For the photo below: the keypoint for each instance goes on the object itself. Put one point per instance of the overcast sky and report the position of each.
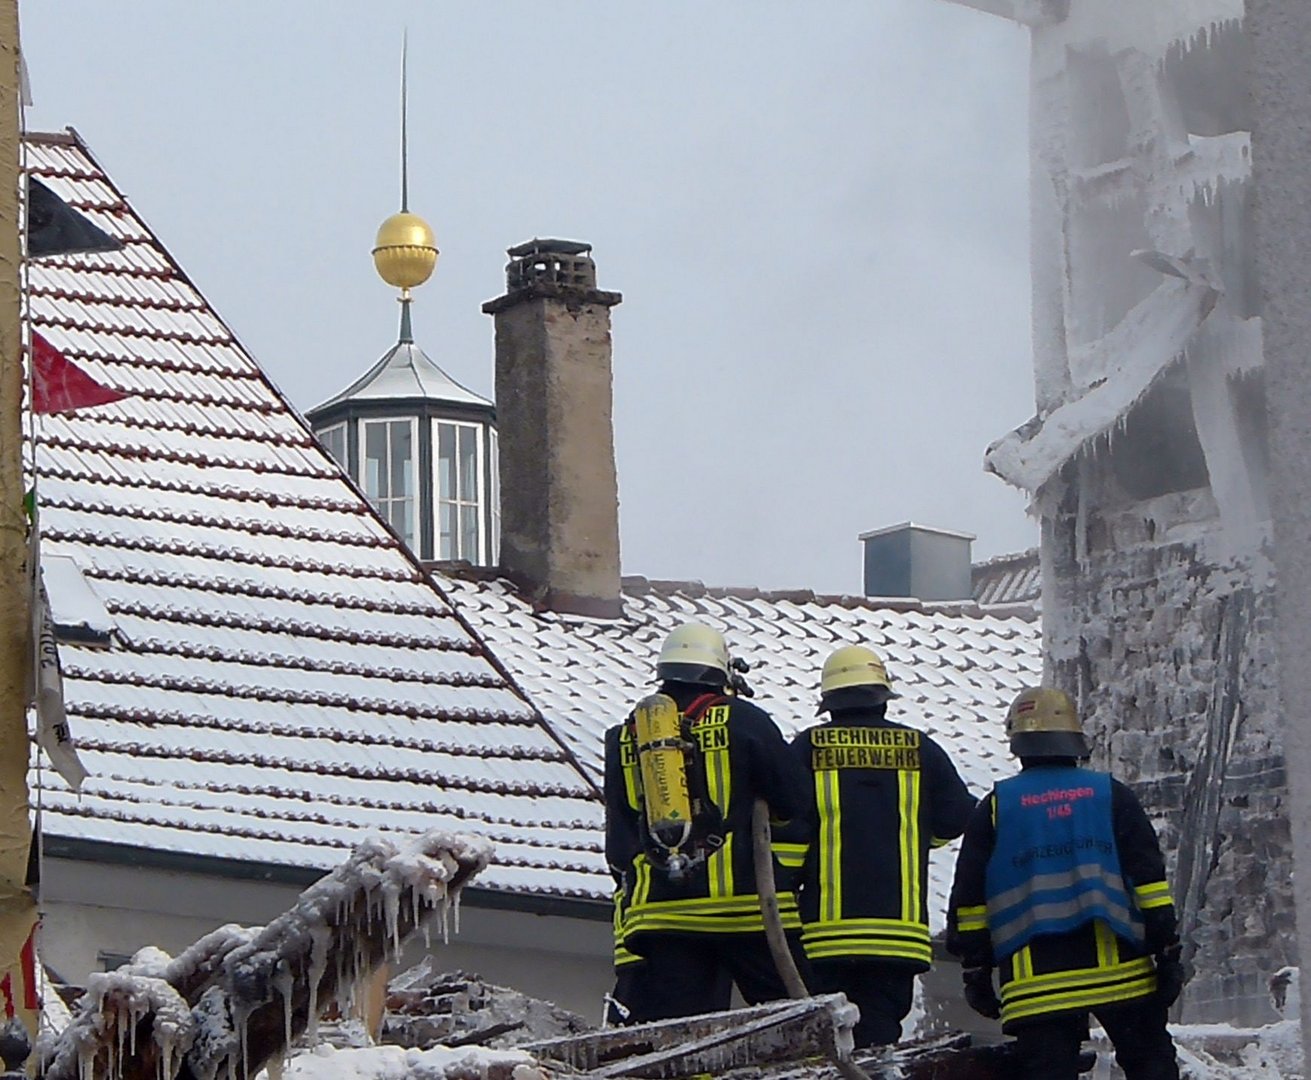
(817, 214)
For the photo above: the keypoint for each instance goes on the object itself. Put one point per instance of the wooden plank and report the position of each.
(711, 1043)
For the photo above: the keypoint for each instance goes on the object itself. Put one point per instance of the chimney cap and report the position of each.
(548, 246)
(907, 525)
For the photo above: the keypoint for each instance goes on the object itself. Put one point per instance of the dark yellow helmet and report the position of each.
(1043, 722)
(853, 676)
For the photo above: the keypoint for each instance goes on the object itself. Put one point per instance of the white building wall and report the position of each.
(94, 909)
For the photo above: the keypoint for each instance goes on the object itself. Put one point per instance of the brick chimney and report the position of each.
(559, 492)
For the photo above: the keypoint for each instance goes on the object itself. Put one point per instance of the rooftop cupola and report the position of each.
(421, 446)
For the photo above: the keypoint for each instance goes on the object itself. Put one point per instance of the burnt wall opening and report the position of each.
(1158, 451)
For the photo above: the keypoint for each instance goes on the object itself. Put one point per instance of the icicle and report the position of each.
(321, 939)
(121, 1022)
(393, 902)
(283, 980)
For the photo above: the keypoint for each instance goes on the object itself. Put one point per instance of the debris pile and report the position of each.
(427, 1007)
(238, 998)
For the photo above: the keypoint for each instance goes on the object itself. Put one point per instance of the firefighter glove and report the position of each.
(1169, 975)
(979, 994)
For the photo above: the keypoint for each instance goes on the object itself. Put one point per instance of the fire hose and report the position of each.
(762, 852)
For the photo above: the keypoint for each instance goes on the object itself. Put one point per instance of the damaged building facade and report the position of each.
(1147, 458)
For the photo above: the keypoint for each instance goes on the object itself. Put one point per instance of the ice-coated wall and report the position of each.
(1281, 141)
(1147, 459)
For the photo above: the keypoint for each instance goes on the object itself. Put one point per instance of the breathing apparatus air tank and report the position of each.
(662, 760)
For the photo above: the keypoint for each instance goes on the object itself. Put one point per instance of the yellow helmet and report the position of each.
(1043, 722)
(853, 676)
(694, 653)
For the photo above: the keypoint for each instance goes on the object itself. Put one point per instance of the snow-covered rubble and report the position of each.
(238, 997)
(400, 1063)
(429, 1007)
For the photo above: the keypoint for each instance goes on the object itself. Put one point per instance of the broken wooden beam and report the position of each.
(711, 1043)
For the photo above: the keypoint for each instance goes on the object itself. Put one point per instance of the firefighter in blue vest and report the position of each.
(682, 774)
(1060, 887)
(882, 795)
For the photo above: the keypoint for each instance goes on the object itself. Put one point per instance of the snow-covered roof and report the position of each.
(957, 667)
(1008, 579)
(272, 675)
(268, 673)
(405, 373)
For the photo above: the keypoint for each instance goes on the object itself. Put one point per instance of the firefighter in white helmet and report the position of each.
(883, 794)
(1060, 887)
(682, 774)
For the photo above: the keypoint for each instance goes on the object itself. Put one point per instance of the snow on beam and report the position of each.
(711, 1043)
(237, 998)
(1129, 359)
(1030, 13)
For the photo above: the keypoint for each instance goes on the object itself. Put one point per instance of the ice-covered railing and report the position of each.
(237, 998)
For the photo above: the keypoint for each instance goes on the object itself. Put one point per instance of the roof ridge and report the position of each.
(637, 585)
(1010, 557)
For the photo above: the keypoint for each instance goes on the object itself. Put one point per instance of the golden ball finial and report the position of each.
(405, 253)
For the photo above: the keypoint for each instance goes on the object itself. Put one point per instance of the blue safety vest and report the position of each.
(1054, 866)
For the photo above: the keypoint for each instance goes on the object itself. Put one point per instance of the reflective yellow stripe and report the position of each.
(833, 950)
(882, 928)
(631, 788)
(642, 886)
(719, 866)
(871, 937)
(1154, 895)
(1081, 988)
(908, 793)
(674, 922)
(617, 920)
(1107, 952)
(790, 855)
(867, 937)
(972, 918)
(787, 901)
(828, 799)
(1026, 963)
(728, 914)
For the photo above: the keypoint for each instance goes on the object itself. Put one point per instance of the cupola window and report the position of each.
(389, 474)
(459, 492)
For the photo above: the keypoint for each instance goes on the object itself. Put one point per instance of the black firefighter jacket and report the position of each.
(882, 794)
(744, 756)
(1081, 969)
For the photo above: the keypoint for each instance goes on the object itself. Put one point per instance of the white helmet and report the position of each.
(694, 653)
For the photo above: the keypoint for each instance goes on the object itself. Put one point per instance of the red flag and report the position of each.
(31, 992)
(59, 385)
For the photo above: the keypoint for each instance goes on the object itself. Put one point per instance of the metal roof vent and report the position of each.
(919, 561)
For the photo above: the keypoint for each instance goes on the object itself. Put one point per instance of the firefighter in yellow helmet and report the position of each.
(1060, 887)
(882, 795)
(682, 774)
